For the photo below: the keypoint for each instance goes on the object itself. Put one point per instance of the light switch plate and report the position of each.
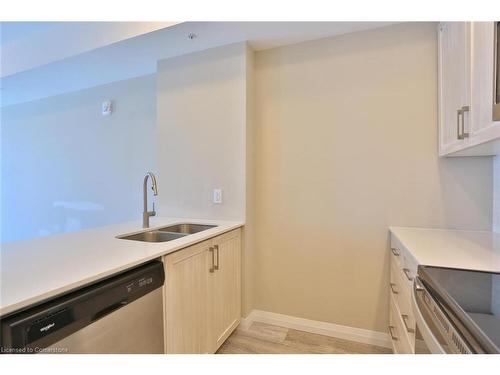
(217, 197)
(107, 108)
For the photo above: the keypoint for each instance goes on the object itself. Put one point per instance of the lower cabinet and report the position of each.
(402, 326)
(398, 332)
(203, 294)
(224, 291)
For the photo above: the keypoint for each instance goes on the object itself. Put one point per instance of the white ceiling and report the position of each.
(137, 56)
(29, 45)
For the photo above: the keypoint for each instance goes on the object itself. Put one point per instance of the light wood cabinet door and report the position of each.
(454, 86)
(225, 288)
(203, 294)
(186, 303)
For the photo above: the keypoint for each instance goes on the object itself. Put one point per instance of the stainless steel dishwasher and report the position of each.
(121, 314)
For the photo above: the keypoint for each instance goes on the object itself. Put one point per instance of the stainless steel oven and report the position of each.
(435, 333)
(496, 73)
(456, 311)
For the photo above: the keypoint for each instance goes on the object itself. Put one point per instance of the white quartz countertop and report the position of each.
(37, 269)
(474, 250)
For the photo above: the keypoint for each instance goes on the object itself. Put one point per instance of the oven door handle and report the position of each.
(430, 341)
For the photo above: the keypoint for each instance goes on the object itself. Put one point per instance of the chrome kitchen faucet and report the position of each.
(154, 186)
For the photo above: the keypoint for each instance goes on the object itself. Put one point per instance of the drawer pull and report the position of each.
(407, 273)
(216, 266)
(459, 113)
(462, 111)
(392, 335)
(395, 251)
(405, 318)
(212, 268)
(392, 288)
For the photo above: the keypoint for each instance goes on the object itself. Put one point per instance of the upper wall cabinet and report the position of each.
(466, 86)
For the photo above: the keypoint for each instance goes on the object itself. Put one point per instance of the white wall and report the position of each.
(201, 132)
(66, 167)
(496, 194)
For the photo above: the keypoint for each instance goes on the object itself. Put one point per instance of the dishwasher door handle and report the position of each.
(108, 310)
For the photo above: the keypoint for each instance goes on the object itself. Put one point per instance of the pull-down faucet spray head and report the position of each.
(154, 186)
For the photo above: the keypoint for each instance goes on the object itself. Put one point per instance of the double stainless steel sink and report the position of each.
(168, 233)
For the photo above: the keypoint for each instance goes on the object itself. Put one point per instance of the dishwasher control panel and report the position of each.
(139, 284)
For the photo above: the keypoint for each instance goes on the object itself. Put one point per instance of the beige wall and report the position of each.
(346, 145)
(204, 140)
(249, 234)
(496, 194)
(201, 127)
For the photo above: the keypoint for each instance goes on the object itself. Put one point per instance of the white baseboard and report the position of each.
(322, 328)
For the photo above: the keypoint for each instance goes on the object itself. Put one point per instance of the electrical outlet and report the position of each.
(217, 198)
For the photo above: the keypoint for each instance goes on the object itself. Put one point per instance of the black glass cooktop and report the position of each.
(471, 299)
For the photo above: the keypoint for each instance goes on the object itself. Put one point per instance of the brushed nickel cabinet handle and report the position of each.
(464, 109)
(407, 273)
(395, 251)
(392, 288)
(405, 318)
(392, 335)
(459, 134)
(212, 269)
(216, 266)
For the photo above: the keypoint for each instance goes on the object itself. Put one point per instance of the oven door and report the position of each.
(435, 332)
(428, 339)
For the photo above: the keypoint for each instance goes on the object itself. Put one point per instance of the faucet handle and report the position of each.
(154, 212)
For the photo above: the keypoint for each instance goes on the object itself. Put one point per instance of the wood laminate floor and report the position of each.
(260, 338)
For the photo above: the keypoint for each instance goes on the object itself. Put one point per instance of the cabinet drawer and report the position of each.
(398, 289)
(406, 314)
(404, 259)
(400, 275)
(395, 287)
(397, 331)
(397, 255)
(406, 277)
